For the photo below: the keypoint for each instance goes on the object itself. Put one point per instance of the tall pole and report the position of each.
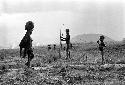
(60, 40)
(60, 47)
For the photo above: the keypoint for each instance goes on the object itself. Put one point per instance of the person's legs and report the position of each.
(102, 53)
(20, 51)
(28, 62)
(67, 52)
(30, 57)
(25, 52)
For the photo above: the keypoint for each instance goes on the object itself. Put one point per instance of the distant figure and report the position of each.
(71, 45)
(26, 43)
(67, 43)
(101, 46)
(49, 47)
(67, 39)
(54, 46)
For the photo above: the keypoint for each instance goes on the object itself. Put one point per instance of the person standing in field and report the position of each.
(49, 47)
(101, 46)
(26, 43)
(54, 46)
(67, 43)
(67, 39)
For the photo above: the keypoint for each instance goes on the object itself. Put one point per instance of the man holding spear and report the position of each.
(67, 39)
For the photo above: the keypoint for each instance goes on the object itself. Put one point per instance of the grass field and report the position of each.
(49, 68)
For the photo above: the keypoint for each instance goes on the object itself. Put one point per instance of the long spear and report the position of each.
(60, 40)
(60, 45)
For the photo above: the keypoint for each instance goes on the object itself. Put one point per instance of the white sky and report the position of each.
(80, 16)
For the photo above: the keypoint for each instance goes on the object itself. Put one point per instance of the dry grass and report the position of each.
(83, 68)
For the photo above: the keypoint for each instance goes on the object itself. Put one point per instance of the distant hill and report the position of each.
(86, 38)
(123, 40)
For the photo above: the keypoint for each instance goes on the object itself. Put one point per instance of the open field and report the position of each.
(48, 68)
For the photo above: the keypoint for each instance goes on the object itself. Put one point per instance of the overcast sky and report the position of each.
(80, 16)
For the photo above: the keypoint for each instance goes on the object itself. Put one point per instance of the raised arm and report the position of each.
(98, 41)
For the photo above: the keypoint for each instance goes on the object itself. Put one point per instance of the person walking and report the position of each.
(26, 43)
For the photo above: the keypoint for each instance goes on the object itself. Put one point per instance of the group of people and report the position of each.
(26, 43)
(54, 47)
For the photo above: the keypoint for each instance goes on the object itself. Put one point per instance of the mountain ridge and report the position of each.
(86, 38)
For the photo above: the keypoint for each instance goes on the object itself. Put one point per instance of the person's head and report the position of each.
(29, 26)
(67, 31)
(102, 38)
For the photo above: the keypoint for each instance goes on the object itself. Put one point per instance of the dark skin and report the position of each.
(28, 49)
(102, 45)
(30, 54)
(67, 42)
(29, 32)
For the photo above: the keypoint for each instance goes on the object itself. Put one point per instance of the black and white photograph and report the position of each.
(62, 42)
